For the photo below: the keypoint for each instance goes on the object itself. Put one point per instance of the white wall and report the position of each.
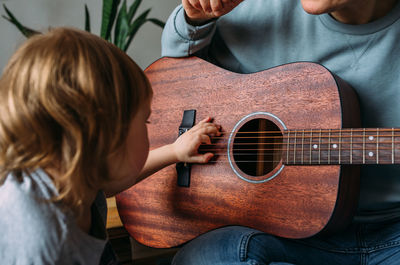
(40, 14)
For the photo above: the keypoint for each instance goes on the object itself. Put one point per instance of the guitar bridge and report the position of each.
(183, 169)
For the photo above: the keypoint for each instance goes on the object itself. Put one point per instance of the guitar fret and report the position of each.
(329, 147)
(370, 146)
(334, 144)
(377, 145)
(340, 145)
(319, 147)
(294, 147)
(302, 148)
(363, 145)
(288, 147)
(392, 145)
(351, 146)
(396, 148)
(311, 137)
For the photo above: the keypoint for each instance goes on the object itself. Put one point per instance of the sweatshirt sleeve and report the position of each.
(180, 39)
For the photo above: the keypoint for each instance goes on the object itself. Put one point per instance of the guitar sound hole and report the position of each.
(257, 147)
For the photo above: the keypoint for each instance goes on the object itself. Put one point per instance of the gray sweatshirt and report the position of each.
(260, 34)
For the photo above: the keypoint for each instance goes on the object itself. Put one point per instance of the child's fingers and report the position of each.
(205, 139)
(201, 158)
(188, 144)
(205, 120)
(210, 129)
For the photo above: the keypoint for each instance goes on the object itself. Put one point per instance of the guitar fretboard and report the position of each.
(345, 146)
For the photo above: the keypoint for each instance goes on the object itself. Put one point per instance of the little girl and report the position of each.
(73, 114)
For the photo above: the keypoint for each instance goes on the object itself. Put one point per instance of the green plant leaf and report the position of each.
(132, 10)
(110, 8)
(157, 22)
(27, 32)
(122, 26)
(135, 27)
(87, 19)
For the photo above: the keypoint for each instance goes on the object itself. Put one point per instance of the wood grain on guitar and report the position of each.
(285, 164)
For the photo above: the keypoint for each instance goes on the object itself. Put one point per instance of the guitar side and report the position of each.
(300, 201)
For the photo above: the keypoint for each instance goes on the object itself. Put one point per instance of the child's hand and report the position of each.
(187, 145)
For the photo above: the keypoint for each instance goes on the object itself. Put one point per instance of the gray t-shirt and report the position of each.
(260, 34)
(36, 231)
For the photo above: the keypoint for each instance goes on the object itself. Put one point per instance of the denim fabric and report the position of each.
(363, 244)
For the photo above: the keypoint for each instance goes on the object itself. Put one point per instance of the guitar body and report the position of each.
(290, 201)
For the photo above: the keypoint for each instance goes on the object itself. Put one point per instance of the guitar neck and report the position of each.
(341, 146)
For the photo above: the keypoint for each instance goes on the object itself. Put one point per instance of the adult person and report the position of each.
(356, 39)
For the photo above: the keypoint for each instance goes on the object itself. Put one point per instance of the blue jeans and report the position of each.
(234, 245)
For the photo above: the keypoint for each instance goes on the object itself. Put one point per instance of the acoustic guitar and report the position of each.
(287, 162)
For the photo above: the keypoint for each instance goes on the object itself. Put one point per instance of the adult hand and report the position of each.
(200, 11)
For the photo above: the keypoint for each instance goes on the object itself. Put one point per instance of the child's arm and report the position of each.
(184, 149)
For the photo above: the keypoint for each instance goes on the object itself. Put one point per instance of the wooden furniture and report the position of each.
(119, 237)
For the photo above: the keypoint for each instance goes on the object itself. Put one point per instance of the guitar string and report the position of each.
(300, 145)
(300, 137)
(308, 143)
(363, 155)
(332, 130)
(306, 156)
(313, 161)
(291, 150)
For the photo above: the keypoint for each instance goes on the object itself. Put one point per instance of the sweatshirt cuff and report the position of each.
(190, 32)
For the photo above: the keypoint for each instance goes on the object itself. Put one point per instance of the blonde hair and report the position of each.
(67, 98)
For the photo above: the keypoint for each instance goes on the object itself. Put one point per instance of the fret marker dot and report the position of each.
(315, 146)
(371, 138)
(371, 154)
(334, 145)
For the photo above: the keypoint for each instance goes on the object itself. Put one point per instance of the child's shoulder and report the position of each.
(37, 231)
(31, 227)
